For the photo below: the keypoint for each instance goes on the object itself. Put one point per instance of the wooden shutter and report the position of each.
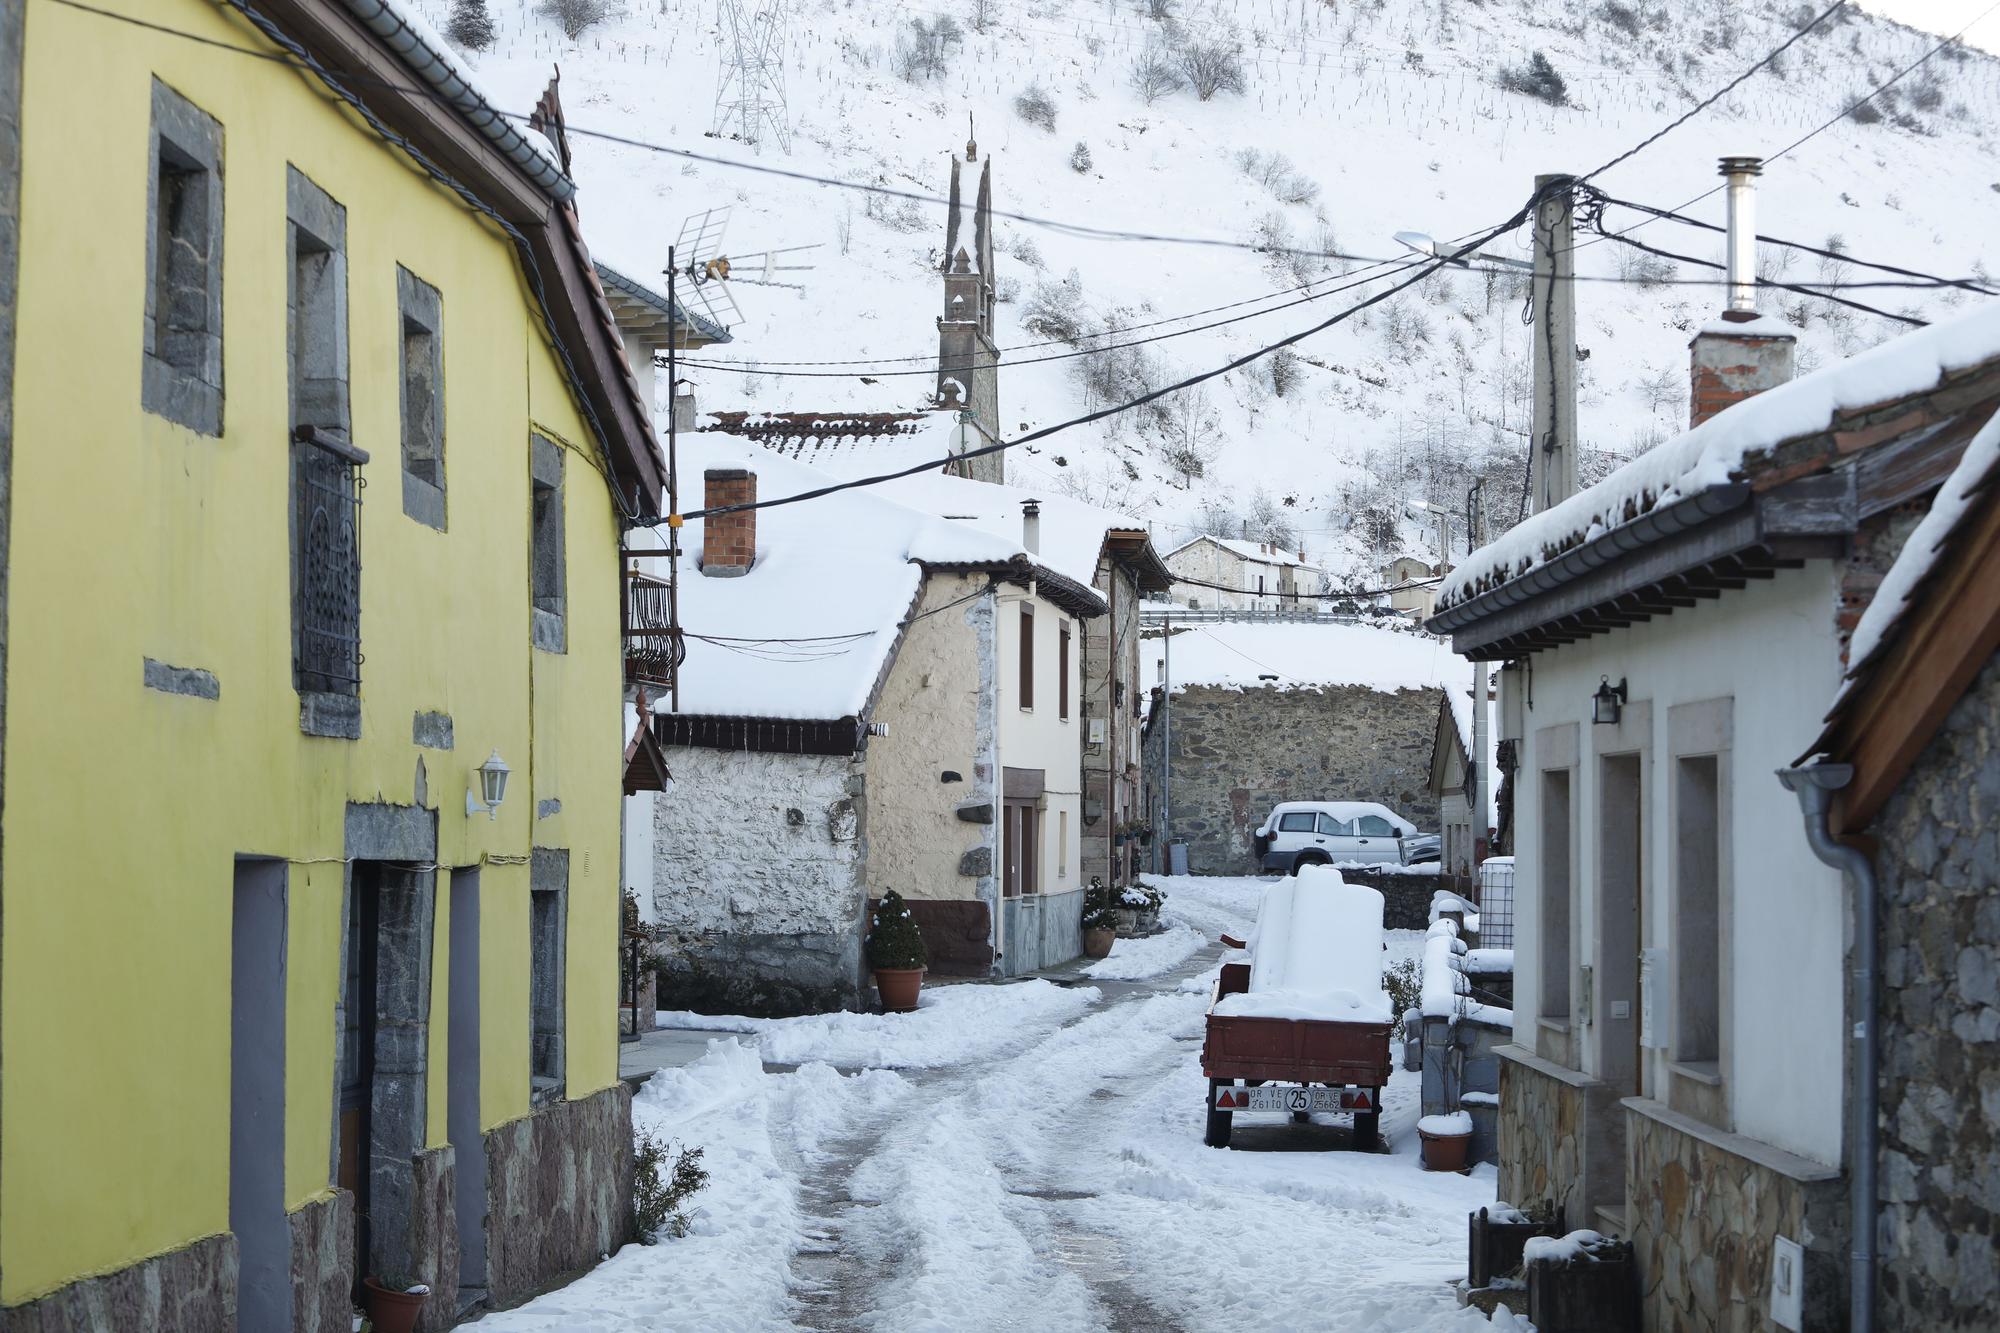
(1027, 656)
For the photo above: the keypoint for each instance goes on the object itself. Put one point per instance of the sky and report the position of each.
(1944, 16)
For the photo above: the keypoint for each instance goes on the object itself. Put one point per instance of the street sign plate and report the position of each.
(1280, 1098)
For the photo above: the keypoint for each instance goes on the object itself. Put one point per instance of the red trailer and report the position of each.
(1300, 1065)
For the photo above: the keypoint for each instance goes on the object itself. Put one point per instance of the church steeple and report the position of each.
(968, 360)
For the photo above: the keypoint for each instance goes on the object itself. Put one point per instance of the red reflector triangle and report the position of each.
(1361, 1101)
(1228, 1099)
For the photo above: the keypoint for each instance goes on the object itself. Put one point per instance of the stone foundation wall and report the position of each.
(1562, 1139)
(559, 1192)
(1702, 1217)
(1940, 1013)
(1238, 752)
(434, 1234)
(189, 1290)
(323, 1265)
(771, 976)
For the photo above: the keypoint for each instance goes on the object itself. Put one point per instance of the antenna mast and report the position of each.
(750, 86)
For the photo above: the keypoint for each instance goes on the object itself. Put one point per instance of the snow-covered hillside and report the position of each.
(1358, 119)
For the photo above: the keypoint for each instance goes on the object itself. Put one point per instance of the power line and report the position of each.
(1797, 288)
(1332, 596)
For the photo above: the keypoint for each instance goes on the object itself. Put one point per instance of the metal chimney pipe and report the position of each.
(1031, 526)
(1740, 172)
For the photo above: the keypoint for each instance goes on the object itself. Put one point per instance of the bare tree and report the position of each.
(1155, 74)
(923, 51)
(575, 16)
(1191, 442)
(1212, 64)
(983, 14)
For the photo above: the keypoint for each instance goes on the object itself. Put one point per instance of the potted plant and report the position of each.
(1446, 1140)
(394, 1301)
(896, 952)
(1100, 919)
(1139, 909)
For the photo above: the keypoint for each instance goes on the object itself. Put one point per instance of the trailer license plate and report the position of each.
(1269, 1098)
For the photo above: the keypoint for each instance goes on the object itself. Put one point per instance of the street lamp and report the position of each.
(1608, 702)
(1423, 244)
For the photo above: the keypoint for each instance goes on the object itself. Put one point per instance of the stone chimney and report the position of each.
(1031, 526)
(728, 541)
(1741, 353)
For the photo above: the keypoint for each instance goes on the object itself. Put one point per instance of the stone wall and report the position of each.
(559, 1192)
(1562, 1139)
(1237, 753)
(756, 883)
(1702, 1216)
(189, 1290)
(323, 1265)
(1939, 920)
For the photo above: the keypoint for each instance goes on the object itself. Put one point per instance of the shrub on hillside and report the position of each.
(1620, 16)
(1034, 105)
(1079, 158)
(575, 16)
(471, 26)
(1055, 310)
(1537, 79)
(1155, 74)
(1211, 64)
(923, 50)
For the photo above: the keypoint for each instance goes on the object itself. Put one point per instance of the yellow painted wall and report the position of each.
(134, 538)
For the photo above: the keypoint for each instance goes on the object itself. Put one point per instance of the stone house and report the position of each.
(322, 543)
(1245, 716)
(1231, 575)
(1681, 1066)
(1907, 769)
(1450, 784)
(873, 698)
(1410, 595)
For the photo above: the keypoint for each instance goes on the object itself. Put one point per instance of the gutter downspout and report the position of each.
(1814, 784)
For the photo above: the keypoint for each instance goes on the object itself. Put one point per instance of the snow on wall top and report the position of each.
(1258, 552)
(850, 445)
(1305, 656)
(1460, 701)
(1712, 453)
(1919, 554)
(838, 566)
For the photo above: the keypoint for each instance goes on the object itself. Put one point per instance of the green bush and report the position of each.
(660, 1191)
(1100, 906)
(1405, 983)
(893, 939)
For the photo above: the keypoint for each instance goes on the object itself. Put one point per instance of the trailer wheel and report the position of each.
(1216, 1134)
(1368, 1130)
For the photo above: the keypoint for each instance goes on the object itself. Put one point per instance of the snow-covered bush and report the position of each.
(1275, 172)
(1190, 440)
(1211, 63)
(1022, 246)
(925, 46)
(575, 16)
(660, 1192)
(982, 15)
(1034, 105)
(1055, 310)
(1079, 158)
(1647, 271)
(1100, 906)
(1864, 113)
(471, 26)
(894, 942)
(1155, 74)
(1620, 16)
(1285, 369)
(1537, 79)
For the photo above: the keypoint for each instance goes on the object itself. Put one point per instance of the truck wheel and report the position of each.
(1368, 1132)
(1216, 1135)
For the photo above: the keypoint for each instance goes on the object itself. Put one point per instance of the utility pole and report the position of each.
(1475, 767)
(673, 484)
(1552, 446)
(1167, 752)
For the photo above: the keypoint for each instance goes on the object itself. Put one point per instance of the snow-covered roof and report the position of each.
(1072, 532)
(806, 632)
(1267, 553)
(1306, 656)
(639, 303)
(1975, 472)
(1715, 452)
(850, 445)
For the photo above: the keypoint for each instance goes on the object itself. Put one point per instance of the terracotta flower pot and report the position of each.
(898, 987)
(393, 1311)
(1444, 1152)
(1097, 941)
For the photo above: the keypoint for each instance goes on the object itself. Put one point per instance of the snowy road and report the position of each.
(1026, 1157)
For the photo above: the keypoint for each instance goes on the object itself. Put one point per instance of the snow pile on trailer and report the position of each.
(1316, 953)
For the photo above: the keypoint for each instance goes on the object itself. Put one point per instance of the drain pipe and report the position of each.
(1814, 785)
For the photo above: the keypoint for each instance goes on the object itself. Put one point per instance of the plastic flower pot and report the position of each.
(1445, 1152)
(392, 1311)
(898, 987)
(1097, 941)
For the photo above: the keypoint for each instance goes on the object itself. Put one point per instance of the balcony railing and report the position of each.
(654, 648)
(328, 488)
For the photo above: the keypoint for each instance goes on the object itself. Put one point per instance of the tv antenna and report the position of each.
(750, 85)
(699, 260)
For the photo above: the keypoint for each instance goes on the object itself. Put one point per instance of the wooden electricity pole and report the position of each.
(1552, 446)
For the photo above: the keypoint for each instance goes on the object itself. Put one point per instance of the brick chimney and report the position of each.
(728, 541)
(1741, 353)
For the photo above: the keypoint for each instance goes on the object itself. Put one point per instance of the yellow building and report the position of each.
(321, 449)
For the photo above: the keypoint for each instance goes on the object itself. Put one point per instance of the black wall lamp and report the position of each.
(1609, 701)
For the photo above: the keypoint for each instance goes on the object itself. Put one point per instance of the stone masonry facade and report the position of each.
(1939, 1163)
(559, 1192)
(1237, 753)
(1702, 1218)
(1541, 1143)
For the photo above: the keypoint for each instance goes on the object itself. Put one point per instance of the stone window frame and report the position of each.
(1065, 653)
(181, 375)
(547, 577)
(1556, 756)
(1614, 1059)
(420, 335)
(1698, 1087)
(548, 966)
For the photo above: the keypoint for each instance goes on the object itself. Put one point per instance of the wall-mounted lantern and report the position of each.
(492, 787)
(1608, 701)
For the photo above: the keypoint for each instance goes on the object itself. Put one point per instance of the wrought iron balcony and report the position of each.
(327, 484)
(653, 645)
